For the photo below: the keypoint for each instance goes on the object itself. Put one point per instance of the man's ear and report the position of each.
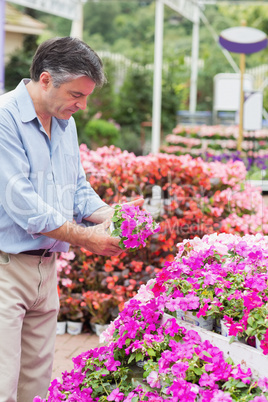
(45, 80)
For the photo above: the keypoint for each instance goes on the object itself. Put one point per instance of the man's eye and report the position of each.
(76, 96)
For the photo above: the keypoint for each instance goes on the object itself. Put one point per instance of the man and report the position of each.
(44, 200)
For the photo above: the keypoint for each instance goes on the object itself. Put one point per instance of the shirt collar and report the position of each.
(26, 106)
(25, 103)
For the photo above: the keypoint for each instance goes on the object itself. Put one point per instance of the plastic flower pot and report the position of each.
(199, 322)
(74, 328)
(110, 229)
(225, 331)
(61, 327)
(217, 325)
(180, 314)
(100, 328)
(258, 343)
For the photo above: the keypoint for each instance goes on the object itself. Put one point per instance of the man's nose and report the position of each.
(82, 103)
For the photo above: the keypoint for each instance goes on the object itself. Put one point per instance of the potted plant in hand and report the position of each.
(101, 307)
(133, 225)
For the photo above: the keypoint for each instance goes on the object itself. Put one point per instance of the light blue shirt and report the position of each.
(42, 181)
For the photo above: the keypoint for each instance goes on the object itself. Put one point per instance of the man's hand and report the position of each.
(99, 242)
(137, 203)
(92, 238)
(107, 212)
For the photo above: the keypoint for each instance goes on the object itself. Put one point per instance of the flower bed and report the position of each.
(211, 276)
(196, 198)
(199, 140)
(221, 277)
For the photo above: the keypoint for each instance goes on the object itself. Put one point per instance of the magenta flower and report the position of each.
(203, 310)
(172, 327)
(192, 336)
(128, 226)
(220, 396)
(238, 373)
(133, 225)
(179, 369)
(153, 379)
(116, 395)
(111, 364)
(263, 384)
(208, 380)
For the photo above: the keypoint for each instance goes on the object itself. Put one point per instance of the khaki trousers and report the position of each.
(28, 317)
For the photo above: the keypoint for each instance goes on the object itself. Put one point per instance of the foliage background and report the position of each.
(127, 28)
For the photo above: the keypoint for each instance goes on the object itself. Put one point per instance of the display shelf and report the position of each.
(263, 184)
(245, 355)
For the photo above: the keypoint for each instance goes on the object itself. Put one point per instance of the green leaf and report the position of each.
(232, 339)
(229, 361)
(207, 354)
(139, 356)
(198, 371)
(146, 373)
(250, 331)
(132, 357)
(128, 341)
(242, 385)
(103, 371)
(151, 352)
(116, 233)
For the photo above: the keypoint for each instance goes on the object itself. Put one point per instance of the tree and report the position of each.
(19, 64)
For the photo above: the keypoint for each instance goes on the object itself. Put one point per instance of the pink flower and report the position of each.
(263, 384)
(239, 374)
(111, 364)
(192, 336)
(153, 379)
(220, 396)
(132, 241)
(202, 310)
(252, 300)
(116, 395)
(128, 226)
(179, 369)
(264, 346)
(208, 380)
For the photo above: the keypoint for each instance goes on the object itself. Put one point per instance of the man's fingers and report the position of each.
(138, 202)
(106, 223)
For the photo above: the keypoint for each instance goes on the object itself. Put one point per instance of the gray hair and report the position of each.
(66, 59)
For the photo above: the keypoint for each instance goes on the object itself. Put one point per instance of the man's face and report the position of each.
(67, 99)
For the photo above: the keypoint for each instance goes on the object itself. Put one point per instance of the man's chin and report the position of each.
(66, 115)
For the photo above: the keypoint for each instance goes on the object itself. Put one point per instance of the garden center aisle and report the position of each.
(68, 346)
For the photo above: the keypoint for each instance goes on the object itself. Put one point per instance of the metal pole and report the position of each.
(2, 46)
(241, 111)
(157, 88)
(77, 23)
(194, 60)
